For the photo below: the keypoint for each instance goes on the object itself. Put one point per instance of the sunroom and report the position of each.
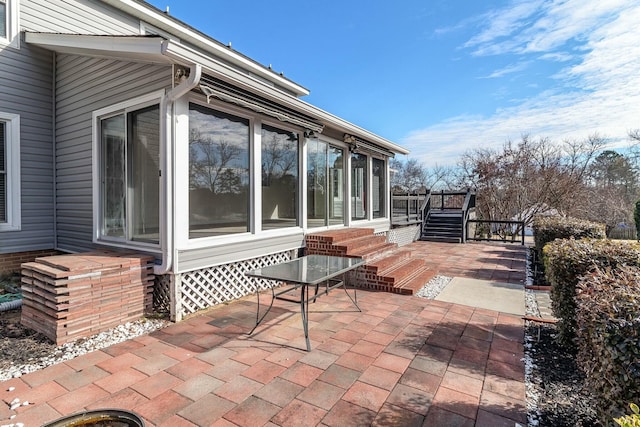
(221, 170)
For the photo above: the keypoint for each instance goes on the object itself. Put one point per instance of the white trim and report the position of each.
(12, 38)
(121, 107)
(12, 158)
(255, 185)
(148, 29)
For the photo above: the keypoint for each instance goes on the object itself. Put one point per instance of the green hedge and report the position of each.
(548, 228)
(608, 338)
(566, 260)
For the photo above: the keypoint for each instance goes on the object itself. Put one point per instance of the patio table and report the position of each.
(302, 273)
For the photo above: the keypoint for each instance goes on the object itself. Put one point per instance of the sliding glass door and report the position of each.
(325, 184)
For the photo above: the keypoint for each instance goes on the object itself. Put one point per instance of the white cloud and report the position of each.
(599, 93)
(509, 69)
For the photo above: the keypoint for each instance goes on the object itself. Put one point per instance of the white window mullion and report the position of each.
(369, 194)
(11, 149)
(256, 177)
(9, 34)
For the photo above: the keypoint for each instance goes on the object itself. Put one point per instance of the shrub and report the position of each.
(566, 260)
(548, 228)
(608, 337)
(632, 420)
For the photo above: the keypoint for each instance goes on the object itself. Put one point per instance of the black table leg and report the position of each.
(304, 309)
(258, 318)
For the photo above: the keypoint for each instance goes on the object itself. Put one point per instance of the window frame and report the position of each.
(12, 172)
(186, 240)
(12, 23)
(384, 208)
(261, 123)
(343, 180)
(124, 107)
(364, 189)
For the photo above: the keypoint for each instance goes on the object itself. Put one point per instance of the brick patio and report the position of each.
(402, 361)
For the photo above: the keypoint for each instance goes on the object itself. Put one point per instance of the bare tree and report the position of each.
(208, 160)
(529, 178)
(413, 176)
(279, 157)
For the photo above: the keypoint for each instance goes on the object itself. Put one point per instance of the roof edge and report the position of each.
(154, 16)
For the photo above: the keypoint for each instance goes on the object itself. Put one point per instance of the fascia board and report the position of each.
(132, 47)
(194, 37)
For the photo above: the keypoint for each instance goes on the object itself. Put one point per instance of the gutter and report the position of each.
(167, 135)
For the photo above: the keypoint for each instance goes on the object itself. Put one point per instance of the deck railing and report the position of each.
(449, 200)
(406, 208)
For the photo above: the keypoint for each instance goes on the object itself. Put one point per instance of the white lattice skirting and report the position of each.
(404, 235)
(208, 287)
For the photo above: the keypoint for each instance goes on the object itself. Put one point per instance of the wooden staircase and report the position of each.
(444, 226)
(388, 268)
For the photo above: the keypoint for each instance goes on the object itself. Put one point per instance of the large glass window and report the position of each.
(218, 173)
(130, 194)
(358, 186)
(325, 184)
(279, 178)
(378, 188)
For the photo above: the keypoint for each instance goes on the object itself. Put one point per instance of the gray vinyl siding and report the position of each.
(83, 85)
(75, 16)
(26, 90)
(194, 259)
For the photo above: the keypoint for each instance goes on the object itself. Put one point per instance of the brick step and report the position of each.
(374, 252)
(387, 262)
(360, 243)
(398, 273)
(340, 235)
(415, 283)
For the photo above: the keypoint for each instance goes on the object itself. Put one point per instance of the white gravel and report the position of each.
(85, 345)
(433, 287)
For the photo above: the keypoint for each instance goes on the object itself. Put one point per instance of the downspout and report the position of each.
(54, 119)
(167, 135)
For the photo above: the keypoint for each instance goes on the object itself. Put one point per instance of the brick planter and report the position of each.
(66, 297)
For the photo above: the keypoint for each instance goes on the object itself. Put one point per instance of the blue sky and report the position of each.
(442, 76)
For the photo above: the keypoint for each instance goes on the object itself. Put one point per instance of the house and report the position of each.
(122, 127)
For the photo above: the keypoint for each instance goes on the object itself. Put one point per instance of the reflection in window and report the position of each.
(358, 186)
(279, 178)
(378, 199)
(325, 184)
(218, 173)
(130, 182)
(3, 19)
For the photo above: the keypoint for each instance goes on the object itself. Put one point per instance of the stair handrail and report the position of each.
(469, 203)
(425, 208)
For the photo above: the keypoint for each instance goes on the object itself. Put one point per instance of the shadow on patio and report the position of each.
(401, 361)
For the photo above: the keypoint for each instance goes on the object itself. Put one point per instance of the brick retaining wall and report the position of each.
(10, 263)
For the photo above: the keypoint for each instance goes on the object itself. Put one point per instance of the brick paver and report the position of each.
(401, 361)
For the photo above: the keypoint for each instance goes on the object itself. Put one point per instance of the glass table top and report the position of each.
(308, 270)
